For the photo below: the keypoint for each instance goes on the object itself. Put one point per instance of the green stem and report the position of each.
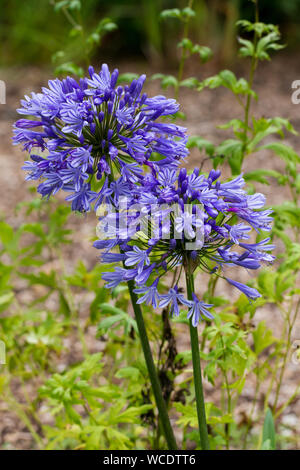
(184, 53)
(197, 371)
(254, 62)
(21, 413)
(287, 403)
(291, 323)
(160, 402)
(250, 417)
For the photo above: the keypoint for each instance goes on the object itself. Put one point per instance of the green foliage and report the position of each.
(203, 52)
(266, 39)
(88, 411)
(83, 40)
(118, 317)
(31, 33)
(237, 347)
(105, 420)
(166, 80)
(268, 432)
(183, 15)
(227, 79)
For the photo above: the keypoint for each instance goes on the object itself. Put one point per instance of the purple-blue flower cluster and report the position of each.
(102, 143)
(91, 138)
(177, 220)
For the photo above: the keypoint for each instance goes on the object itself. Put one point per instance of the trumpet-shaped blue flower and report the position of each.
(198, 310)
(250, 292)
(173, 298)
(150, 294)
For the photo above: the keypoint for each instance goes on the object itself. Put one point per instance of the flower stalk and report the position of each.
(204, 440)
(160, 402)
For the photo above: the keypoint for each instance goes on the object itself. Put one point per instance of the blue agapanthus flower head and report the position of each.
(83, 136)
(186, 222)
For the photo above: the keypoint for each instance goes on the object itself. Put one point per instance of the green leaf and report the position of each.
(127, 77)
(188, 13)
(258, 27)
(6, 233)
(93, 38)
(232, 150)
(108, 308)
(186, 43)
(72, 414)
(5, 274)
(269, 435)
(133, 412)
(106, 323)
(166, 80)
(236, 124)
(35, 228)
(268, 42)
(284, 151)
(62, 4)
(76, 31)
(262, 337)
(64, 307)
(201, 144)
(95, 305)
(106, 25)
(287, 213)
(42, 278)
(228, 79)
(204, 52)
(266, 445)
(292, 259)
(190, 82)
(69, 68)
(75, 5)
(247, 49)
(70, 4)
(263, 127)
(188, 415)
(6, 299)
(132, 373)
(170, 13)
(261, 176)
(266, 283)
(117, 316)
(58, 56)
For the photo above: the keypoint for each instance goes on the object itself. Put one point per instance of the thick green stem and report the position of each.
(160, 402)
(197, 371)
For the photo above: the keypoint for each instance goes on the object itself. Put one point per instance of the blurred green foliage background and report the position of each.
(32, 31)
